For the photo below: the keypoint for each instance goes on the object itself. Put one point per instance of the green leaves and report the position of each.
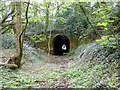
(102, 24)
(105, 16)
(34, 19)
(15, 79)
(83, 76)
(107, 41)
(111, 21)
(38, 37)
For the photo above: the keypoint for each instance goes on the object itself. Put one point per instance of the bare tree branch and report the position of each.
(4, 19)
(6, 29)
(6, 25)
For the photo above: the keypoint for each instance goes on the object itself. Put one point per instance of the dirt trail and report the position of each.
(59, 63)
(33, 68)
(58, 59)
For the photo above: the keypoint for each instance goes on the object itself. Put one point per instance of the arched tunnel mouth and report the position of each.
(61, 44)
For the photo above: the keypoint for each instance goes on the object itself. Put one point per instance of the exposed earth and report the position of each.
(59, 63)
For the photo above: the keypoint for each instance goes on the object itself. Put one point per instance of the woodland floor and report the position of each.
(57, 72)
(59, 63)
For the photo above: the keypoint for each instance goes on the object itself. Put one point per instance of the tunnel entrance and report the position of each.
(61, 44)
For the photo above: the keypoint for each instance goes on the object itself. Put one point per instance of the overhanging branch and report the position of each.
(6, 25)
(5, 18)
(88, 20)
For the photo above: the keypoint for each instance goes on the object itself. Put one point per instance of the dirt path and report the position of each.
(60, 63)
(36, 68)
(59, 59)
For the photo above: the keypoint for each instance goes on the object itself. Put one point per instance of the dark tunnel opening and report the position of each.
(61, 45)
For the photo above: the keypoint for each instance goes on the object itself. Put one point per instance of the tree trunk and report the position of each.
(47, 18)
(15, 61)
(18, 27)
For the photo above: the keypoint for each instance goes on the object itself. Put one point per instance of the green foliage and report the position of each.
(20, 79)
(49, 75)
(84, 76)
(71, 19)
(105, 17)
(34, 19)
(38, 38)
(108, 41)
(15, 79)
(89, 75)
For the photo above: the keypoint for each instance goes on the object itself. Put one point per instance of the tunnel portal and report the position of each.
(61, 44)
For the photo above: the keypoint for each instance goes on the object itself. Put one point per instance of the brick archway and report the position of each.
(61, 44)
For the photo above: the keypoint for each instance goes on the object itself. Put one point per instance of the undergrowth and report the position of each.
(88, 75)
(83, 76)
(20, 79)
(14, 78)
